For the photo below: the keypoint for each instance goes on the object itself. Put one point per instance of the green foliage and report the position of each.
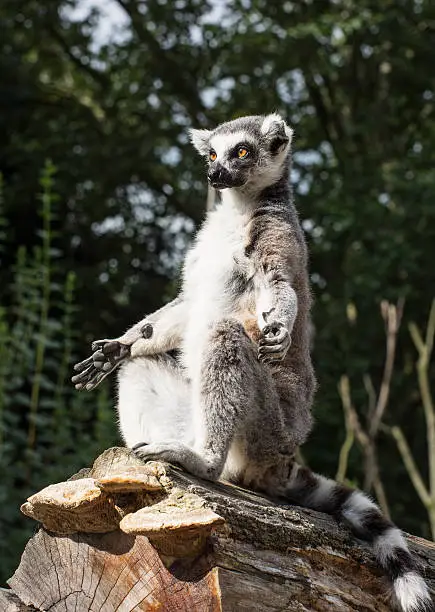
(47, 430)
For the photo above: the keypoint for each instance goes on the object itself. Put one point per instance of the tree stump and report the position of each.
(124, 536)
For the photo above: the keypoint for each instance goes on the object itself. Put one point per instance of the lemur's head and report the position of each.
(250, 151)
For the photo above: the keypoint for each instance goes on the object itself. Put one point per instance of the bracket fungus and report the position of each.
(135, 498)
(177, 526)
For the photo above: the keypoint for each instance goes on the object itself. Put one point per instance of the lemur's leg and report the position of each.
(296, 386)
(224, 396)
(157, 333)
(153, 401)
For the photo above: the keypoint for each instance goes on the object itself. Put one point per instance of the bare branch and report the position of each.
(371, 394)
(351, 413)
(416, 337)
(343, 458)
(393, 317)
(425, 350)
(410, 465)
(353, 427)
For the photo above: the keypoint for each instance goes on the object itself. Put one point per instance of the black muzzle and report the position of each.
(221, 178)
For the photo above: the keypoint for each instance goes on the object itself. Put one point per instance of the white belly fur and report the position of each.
(209, 265)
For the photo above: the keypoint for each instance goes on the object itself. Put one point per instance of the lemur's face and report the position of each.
(249, 151)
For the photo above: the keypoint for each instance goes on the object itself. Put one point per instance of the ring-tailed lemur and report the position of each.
(238, 404)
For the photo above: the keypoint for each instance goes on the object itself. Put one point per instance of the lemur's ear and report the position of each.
(277, 132)
(200, 140)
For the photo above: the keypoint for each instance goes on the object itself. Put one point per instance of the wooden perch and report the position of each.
(124, 536)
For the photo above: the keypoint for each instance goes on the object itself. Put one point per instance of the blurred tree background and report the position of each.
(92, 240)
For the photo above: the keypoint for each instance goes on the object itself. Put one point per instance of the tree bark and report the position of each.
(171, 550)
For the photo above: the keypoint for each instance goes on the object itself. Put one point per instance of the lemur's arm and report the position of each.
(162, 329)
(277, 260)
(276, 308)
(156, 333)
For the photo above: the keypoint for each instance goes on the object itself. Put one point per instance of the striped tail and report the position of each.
(366, 521)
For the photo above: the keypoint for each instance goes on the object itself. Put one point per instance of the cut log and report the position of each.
(171, 549)
(112, 571)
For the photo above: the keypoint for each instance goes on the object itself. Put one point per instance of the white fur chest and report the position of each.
(216, 256)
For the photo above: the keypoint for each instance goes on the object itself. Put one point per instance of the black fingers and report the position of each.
(105, 361)
(98, 357)
(88, 376)
(84, 375)
(272, 358)
(274, 340)
(79, 367)
(274, 343)
(113, 360)
(107, 356)
(91, 379)
(97, 344)
(100, 376)
(270, 350)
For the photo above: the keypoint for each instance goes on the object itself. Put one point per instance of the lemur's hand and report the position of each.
(107, 356)
(274, 343)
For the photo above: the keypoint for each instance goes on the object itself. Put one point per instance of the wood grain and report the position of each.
(109, 573)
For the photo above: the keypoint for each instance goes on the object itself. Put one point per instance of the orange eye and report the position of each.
(242, 153)
(212, 155)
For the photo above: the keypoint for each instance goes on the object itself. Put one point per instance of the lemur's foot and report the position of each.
(176, 453)
(107, 356)
(274, 343)
(172, 452)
